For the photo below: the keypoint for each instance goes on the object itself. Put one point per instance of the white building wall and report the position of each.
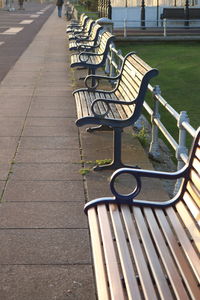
(148, 3)
(131, 15)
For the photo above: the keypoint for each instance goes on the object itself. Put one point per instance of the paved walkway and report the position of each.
(45, 250)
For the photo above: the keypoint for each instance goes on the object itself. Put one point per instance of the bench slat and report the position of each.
(165, 256)
(116, 288)
(185, 242)
(140, 261)
(177, 252)
(153, 259)
(195, 179)
(194, 193)
(189, 222)
(192, 206)
(98, 258)
(125, 259)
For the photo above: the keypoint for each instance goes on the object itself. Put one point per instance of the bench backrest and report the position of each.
(190, 190)
(173, 13)
(133, 83)
(83, 21)
(89, 25)
(104, 41)
(194, 13)
(95, 32)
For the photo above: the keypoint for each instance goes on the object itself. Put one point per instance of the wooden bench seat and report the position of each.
(96, 59)
(93, 40)
(118, 108)
(148, 250)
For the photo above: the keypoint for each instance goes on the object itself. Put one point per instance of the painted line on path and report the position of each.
(26, 22)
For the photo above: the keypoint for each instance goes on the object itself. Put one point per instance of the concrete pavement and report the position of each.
(45, 249)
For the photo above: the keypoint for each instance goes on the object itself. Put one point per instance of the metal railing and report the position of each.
(162, 25)
(113, 66)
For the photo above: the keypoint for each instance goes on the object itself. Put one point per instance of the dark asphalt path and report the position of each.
(30, 20)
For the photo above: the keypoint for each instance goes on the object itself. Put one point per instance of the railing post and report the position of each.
(108, 61)
(119, 63)
(154, 145)
(182, 149)
(112, 69)
(125, 31)
(165, 27)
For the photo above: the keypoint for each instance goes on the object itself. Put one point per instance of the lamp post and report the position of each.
(187, 13)
(143, 14)
(157, 11)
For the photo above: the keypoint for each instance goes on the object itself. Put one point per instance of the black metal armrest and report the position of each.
(82, 39)
(138, 174)
(96, 78)
(84, 48)
(129, 198)
(107, 108)
(88, 54)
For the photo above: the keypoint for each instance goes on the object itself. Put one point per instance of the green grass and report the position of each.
(179, 76)
(82, 9)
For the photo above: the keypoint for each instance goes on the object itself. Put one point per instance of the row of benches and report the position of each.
(141, 249)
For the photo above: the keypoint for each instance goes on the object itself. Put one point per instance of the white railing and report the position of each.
(113, 66)
(162, 25)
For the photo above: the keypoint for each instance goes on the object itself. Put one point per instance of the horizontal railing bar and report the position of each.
(166, 133)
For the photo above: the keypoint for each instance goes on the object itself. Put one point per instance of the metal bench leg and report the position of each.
(92, 72)
(117, 162)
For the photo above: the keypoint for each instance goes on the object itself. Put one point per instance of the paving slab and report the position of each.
(67, 123)
(44, 246)
(4, 170)
(52, 142)
(42, 215)
(47, 282)
(47, 156)
(51, 130)
(46, 191)
(46, 171)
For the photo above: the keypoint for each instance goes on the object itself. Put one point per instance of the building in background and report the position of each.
(133, 12)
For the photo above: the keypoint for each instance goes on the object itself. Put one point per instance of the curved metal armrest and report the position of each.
(107, 108)
(137, 174)
(96, 79)
(84, 47)
(129, 198)
(82, 39)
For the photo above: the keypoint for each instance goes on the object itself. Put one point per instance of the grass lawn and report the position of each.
(179, 75)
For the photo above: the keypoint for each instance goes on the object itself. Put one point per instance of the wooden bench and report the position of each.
(180, 13)
(96, 59)
(118, 108)
(173, 13)
(148, 250)
(78, 27)
(85, 33)
(194, 13)
(87, 43)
